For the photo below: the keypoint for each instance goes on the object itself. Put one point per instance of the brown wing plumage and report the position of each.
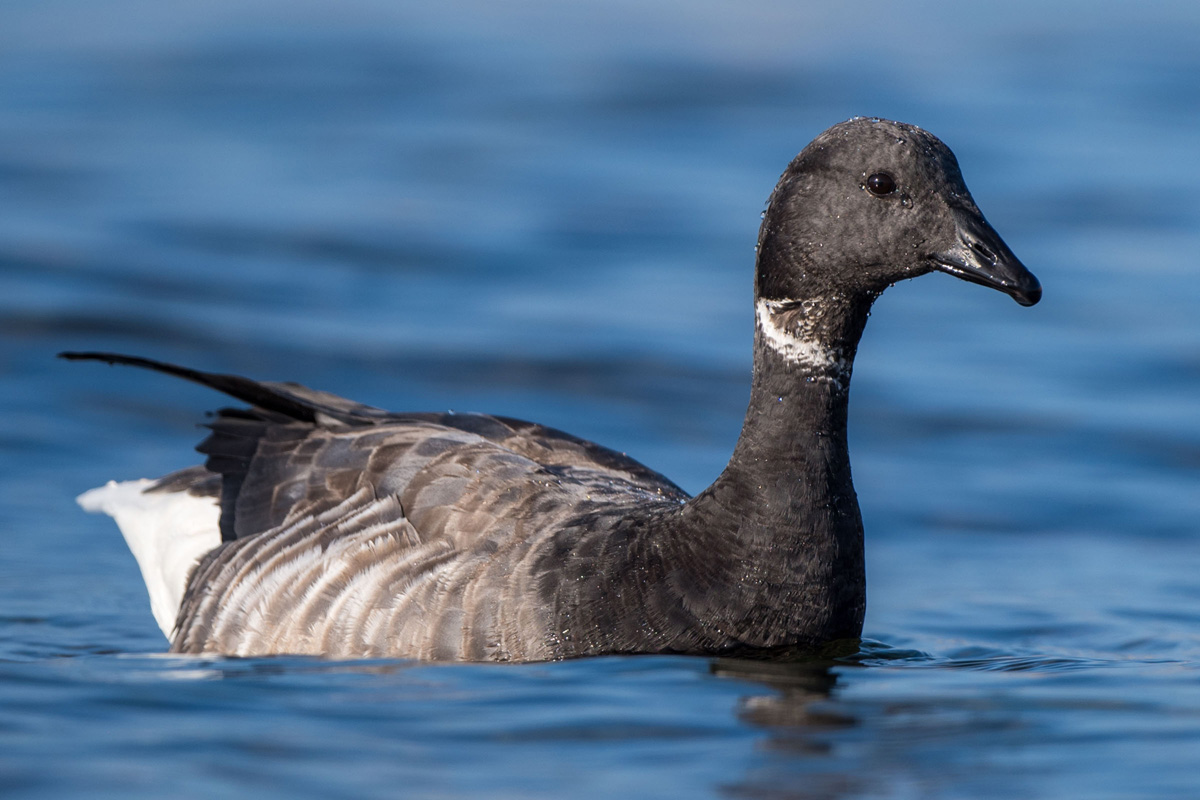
(349, 531)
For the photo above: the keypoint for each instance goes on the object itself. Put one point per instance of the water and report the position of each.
(549, 211)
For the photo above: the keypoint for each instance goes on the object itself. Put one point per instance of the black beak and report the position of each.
(982, 257)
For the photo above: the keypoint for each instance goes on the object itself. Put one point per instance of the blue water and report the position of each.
(548, 210)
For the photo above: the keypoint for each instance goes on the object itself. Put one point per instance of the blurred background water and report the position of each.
(548, 210)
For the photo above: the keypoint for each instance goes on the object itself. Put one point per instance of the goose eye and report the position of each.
(881, 184)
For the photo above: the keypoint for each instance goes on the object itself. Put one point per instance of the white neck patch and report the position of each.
(800, 346)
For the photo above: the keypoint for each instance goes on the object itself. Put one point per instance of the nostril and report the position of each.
(981, 250)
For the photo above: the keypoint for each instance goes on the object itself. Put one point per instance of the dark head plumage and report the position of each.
(870, 202)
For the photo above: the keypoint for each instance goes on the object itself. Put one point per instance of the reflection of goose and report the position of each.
(796, 685)
(318, 525)
(794, 704)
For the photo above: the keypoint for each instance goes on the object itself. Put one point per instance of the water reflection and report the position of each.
(798, 689)
(800, 718)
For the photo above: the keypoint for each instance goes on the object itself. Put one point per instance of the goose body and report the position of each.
(322, 526)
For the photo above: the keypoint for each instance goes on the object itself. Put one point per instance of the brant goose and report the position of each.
(318, 525)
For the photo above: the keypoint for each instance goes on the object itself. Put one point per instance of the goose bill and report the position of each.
(981, 256)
